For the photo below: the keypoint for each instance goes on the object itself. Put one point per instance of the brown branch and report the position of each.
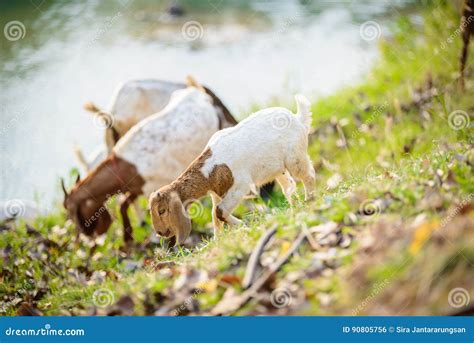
(255, 257)
(310, 238)
(229, 305)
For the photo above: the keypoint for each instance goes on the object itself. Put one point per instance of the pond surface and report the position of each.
(249, 52)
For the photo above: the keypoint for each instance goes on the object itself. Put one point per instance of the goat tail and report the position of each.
(80, 158)
(303, 112)
(90, 107)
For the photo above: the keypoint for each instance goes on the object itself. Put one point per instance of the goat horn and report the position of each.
(78, 178)
(191, 82)
(63, 187)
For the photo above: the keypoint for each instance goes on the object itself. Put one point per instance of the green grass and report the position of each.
(407, 157)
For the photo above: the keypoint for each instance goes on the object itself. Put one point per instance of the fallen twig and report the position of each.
(310, 238)
(229, 305)
(255, 257)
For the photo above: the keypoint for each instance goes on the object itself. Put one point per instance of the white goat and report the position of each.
(132, 102)
(269, 145)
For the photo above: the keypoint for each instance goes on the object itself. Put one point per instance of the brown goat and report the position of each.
(85, 202)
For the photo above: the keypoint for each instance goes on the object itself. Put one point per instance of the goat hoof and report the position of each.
(127, 247)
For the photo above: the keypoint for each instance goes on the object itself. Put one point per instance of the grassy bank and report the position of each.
(391, 228)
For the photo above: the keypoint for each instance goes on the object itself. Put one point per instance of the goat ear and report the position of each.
(93, 219)
(103, 222)
(81, 224)
(180, 222)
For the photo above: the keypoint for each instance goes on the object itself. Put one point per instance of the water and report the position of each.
(249, 53)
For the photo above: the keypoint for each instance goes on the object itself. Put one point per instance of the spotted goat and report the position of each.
(134, 101)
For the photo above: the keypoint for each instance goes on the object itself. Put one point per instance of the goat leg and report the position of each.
(467, 29)
(465, 47)
(127, 227)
